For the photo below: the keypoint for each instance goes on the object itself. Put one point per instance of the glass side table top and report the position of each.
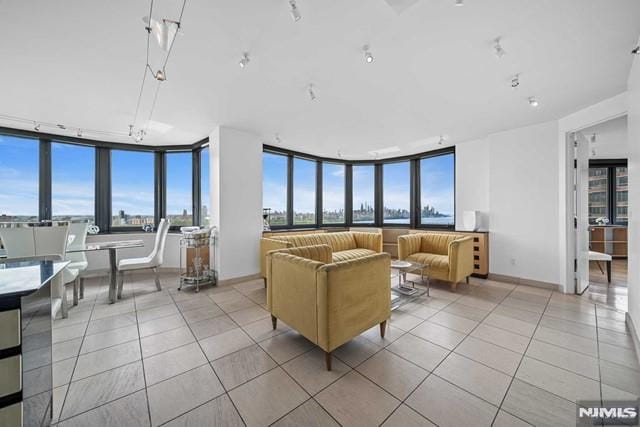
(404, 291)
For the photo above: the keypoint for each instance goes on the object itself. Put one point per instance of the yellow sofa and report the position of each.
(328, 302)
(449, 256)
(344, 245)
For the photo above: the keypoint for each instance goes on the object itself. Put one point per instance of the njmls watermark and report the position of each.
(608, 413)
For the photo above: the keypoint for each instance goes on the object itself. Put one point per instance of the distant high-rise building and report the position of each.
(184, 213)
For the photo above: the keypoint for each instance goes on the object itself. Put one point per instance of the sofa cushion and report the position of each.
(436, 263)
(338, 241)
(351, 254)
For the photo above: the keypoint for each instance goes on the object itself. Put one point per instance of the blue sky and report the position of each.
(18, 176)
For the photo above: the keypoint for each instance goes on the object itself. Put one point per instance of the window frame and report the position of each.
(102, 175)
(414, 189)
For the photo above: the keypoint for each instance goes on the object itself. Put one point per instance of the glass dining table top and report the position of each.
(23, 277)
(101, 246)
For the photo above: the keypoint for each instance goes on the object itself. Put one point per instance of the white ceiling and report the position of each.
(80, 62)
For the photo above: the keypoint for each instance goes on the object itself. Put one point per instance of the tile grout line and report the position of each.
(144, 376)
(520, 363)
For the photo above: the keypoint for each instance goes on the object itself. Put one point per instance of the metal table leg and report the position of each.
(112, 278)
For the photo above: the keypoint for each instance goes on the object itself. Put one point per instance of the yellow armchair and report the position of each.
(329, 303)
(449, 256)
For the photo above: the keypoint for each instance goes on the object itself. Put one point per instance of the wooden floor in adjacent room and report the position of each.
(612, 294)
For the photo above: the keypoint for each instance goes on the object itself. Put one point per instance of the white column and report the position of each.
(236, 200)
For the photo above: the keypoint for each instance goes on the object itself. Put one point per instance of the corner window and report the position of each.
(179, 189)
(437, 190)
(19, 182)
(274, 188)
(132, 188)
(72, 182)
(304, 192)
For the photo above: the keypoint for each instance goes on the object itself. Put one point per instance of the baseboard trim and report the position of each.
(634, 334)
(235, 280)
(522, 281)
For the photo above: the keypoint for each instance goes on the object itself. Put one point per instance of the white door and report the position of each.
(581, 211)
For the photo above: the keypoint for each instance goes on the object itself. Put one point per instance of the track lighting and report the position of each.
(368, 57)
(130, 130)
(36, 127)
(79, 133)
(295, 13)
(442, 140)
(245, 60)
(636, 50)
(312, 94)
(63, 127)
(160, 76)
(592, 138)
(500, 52)
(277, 139)
(533, 101)
(459, 2)
(164, 31)
(515, 81)
(140, 135)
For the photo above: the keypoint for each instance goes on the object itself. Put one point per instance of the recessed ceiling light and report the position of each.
(245, 60)
(499, 51)
(459, 2)
(515, 81)
(312, 94)
(295, 12)
(368, 57)
(533, 101)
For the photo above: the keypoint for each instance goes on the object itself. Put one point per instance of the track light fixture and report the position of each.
(515, 81)
(294, 11)
(79, 133)
(499, 51)
(636, 50)
(459, 2)
(130, 130)
(533, 101)
(245, 60)
(442, 140)
(160, 76)
(277, 139)
(312, 93)
(36, 126)
(368, 57)
(592, 138)
(63, 127)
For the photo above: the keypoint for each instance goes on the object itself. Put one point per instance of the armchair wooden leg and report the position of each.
(454, 286)
(274, 322)
(82, 288)
(467, 279)
(327, 359)
(383, 328)
(158, 285)
(265, 282)
(76, 286)
(120, 283)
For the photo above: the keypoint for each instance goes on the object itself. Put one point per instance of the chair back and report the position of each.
(79, 231)
(18, 241)
(157, 255)
(51, 240)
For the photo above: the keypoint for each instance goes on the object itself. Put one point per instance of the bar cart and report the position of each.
(197, 247)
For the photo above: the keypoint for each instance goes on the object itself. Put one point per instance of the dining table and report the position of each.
(112, 247)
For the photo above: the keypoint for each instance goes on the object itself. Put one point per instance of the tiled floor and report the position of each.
(492, 353)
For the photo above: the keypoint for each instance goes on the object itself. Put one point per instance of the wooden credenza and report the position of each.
(609, 239)
(480, 249)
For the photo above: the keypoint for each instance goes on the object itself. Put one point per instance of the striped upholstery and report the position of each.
(352, 254)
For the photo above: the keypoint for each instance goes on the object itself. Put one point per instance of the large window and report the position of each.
(179, 188)
(132, 188)
(333, 193)
(598, 194)
(205, 195)
(396, 193)
(304, 192)
(437, 190)
(72, 182)
(18, 179)
(363, 194)
(608, 192)
(274, 188)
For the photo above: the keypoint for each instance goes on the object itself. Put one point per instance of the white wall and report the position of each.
(472, 181)
(236, 199)
(633, 100)
(523, 199)
(611, 139)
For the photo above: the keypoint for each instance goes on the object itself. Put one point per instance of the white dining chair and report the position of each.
(78, 260)
(18, 241)
(152, 261)
(53, 241)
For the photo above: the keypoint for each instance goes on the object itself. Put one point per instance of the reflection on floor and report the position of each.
(491, 353)
(612, 294)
